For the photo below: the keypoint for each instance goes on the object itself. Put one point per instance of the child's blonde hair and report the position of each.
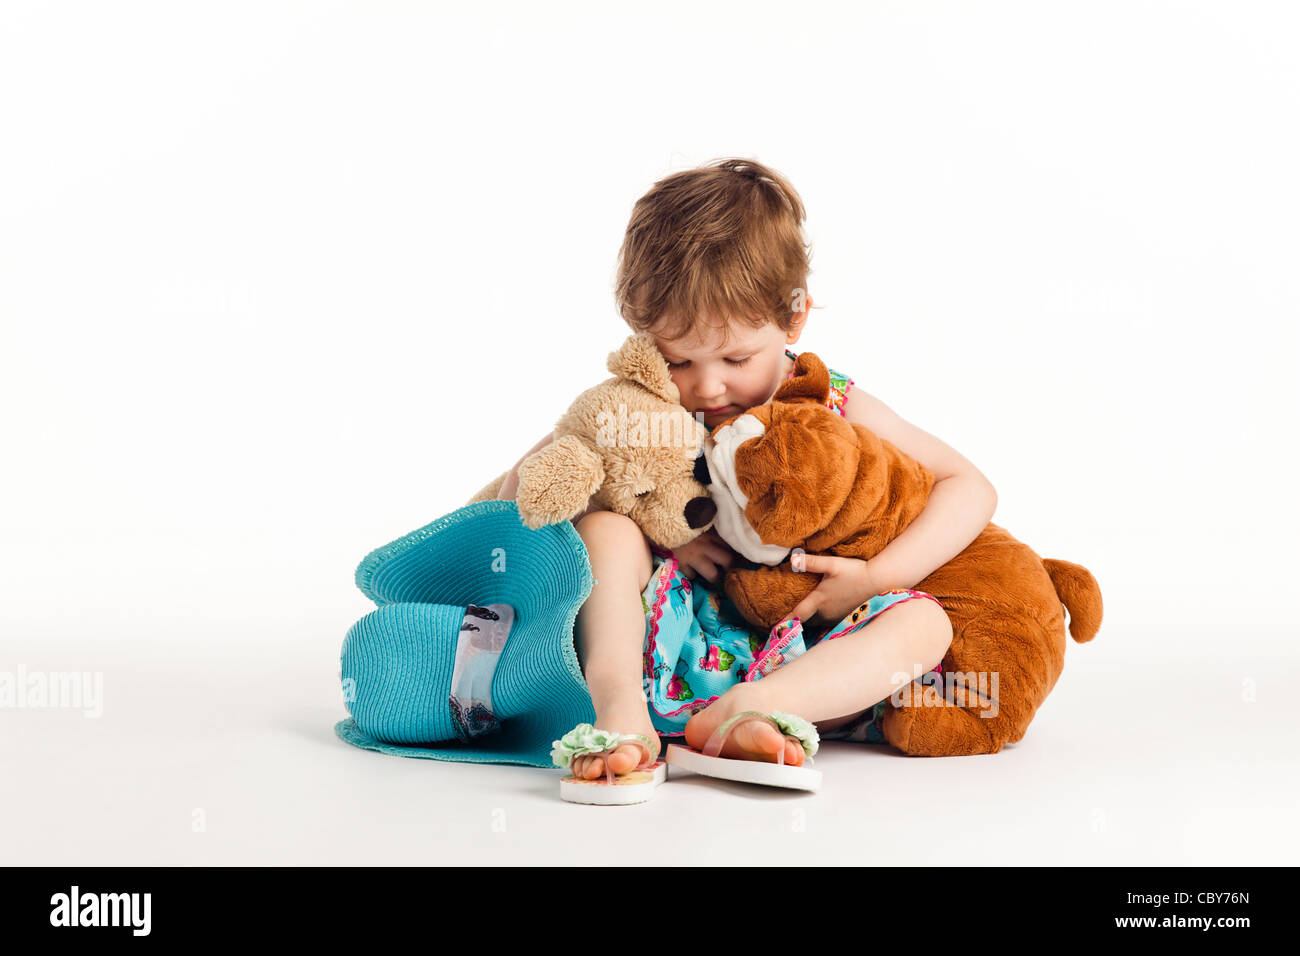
(723, 241)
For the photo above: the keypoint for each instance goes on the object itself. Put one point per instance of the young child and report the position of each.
(715, 267)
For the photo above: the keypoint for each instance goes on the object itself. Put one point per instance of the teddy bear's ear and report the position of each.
(641, 361)
(556, 482)
(810, 381)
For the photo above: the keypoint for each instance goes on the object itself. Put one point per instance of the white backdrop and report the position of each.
(274, 275)
(281, 282)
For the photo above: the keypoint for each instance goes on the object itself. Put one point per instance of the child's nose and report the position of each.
(710, 393)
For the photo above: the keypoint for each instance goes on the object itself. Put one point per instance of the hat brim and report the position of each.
(515, 743)
(484, 554)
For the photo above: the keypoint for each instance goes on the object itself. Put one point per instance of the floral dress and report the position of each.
(697, 645)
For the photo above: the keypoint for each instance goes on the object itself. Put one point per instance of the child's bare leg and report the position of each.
(832, 682)
(611, 635)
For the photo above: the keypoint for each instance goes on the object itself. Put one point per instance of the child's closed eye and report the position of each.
(736, 362)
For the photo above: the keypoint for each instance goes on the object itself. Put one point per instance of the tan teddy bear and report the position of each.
(626, 445)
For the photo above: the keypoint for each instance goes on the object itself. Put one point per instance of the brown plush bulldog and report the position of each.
(794, 474)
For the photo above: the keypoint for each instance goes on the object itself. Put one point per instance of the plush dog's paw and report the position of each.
(766, 596)
(928, 726)
(896, 725)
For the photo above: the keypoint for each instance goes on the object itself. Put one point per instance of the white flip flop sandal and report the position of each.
(709, 764)
(614, 790)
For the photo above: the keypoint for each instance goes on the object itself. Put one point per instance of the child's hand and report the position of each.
(845, 584)
(707, 555)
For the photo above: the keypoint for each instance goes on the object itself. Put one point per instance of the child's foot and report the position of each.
(625, 717)
(750, 740)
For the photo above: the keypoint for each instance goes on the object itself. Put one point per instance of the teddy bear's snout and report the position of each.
(700, 511)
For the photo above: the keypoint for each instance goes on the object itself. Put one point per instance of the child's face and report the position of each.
(744, 373)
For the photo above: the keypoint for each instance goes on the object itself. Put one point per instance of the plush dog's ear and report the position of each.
(797, 476)
(810, 382)
(640, 360)
(557, 482)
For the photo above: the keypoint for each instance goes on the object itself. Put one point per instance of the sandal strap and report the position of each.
(791, 726)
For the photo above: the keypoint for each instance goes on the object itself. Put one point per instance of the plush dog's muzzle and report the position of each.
(732, 525)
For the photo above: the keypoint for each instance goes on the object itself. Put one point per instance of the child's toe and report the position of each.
(625, 758)
(761, 741)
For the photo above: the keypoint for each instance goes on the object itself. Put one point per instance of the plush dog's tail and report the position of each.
(1079, 592)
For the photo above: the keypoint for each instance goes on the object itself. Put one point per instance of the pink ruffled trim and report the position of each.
(770, 657)
(689, 705)
(657, 611)
(666, 571)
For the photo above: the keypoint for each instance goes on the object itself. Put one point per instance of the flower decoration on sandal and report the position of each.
(586, 739)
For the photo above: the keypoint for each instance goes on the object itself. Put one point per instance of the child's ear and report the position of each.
(811, 382)
(640, 360)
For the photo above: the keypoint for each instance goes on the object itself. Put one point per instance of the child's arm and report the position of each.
(960, 506)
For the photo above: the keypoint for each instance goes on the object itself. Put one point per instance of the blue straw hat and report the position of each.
(470, 654)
